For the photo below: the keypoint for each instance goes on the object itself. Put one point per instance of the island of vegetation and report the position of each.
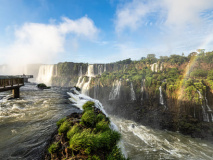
(85, 136)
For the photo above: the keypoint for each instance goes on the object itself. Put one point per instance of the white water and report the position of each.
(204, 108)
(133, 98)
(79, 100)
(86, 86)
(100, 69)
(115, 92)
(154, 67)
(45, 74)
(161, 97)
(144, 143)
(105, 68)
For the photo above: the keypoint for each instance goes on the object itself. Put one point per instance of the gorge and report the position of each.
(152, 101)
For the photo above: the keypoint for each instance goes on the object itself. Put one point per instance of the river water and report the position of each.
(26, 124)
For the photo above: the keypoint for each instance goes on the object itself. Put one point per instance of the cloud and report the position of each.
(131, 15)
(176, 25)
(182, 12)
(42, 43)
(174, 13)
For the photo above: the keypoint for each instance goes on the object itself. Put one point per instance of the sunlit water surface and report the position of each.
(28, 122)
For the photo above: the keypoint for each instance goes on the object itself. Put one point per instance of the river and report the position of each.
(27, 123)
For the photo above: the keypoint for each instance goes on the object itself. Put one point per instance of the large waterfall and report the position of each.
(115, 92)
(133, 97)
(81, 80)
(45, 74)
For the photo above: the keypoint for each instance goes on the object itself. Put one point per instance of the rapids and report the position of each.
(27, 123)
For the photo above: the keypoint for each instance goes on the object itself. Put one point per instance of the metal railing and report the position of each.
(10, 82)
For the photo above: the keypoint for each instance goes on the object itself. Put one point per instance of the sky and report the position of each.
(102, 31)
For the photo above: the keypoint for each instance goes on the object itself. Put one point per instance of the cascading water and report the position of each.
(100, 69)
(205, 114)
(26, 124)
(90, 74)
(161, 97)
(115, 92)
(105, 68)
(45, 74)
(144, 143)
(208, 108)
(133, 98)
(154, 67)
(79, 99)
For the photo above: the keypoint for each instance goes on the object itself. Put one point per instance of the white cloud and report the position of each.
(174, 13)
(42, 43)
(181, 25)
(182, 12)
(130, 15)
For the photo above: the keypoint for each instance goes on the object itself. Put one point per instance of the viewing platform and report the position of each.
(13, 83)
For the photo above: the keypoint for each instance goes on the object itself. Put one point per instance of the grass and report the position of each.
(91, 137)
(64, 127)
(53, 147)
(61, 121)
(88, 118)
(75, 129)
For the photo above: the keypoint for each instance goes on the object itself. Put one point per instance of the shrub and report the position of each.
(53, 147)
(116, 154)
(94, 157)
(108, 139)
(61, 121)
(84, 142)
(100, 117)
(75, 129)
(64, 127)
(88, 104)
(102, 126)
(88, 118)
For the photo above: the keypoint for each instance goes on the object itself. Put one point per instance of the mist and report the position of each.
(36, 43)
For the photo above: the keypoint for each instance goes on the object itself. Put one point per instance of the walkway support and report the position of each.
(11, 83)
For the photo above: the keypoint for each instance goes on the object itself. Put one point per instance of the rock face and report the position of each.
(178, 104)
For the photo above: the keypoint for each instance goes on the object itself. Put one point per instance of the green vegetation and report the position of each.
(64, 127)
(42, 86)
(61, 121)
(53, 147)
(90, 137)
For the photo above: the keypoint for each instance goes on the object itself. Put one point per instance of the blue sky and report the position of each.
(101, 31)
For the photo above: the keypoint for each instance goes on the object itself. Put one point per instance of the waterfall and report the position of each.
(154, 67)
(45, 74)
(133, 98)
(100, 69)
(161, 66)
(105, 68)
(90, 74)
(205, 114)
(208, 108)
(79, 100)
(115, 92)
(161, 97)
